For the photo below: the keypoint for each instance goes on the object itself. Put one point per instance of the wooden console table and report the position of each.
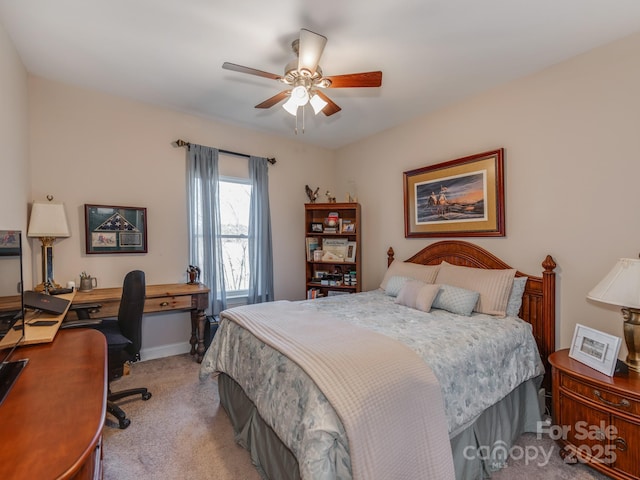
(159, 298)
(52, 418)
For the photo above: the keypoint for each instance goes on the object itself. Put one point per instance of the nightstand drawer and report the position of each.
(600, 395)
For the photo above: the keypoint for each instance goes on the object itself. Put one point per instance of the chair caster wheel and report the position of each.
(146, 396)
(124, 423)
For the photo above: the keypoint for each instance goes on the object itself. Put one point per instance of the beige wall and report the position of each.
(87, 147)
(14, 144)
(572, 166)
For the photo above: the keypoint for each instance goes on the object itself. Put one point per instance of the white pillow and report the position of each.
(493, 286)
(422, 273)
(418, 295)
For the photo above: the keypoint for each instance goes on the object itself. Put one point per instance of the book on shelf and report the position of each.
(313, 244)
(313, 293)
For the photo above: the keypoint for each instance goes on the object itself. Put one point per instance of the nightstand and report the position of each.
(596, 418)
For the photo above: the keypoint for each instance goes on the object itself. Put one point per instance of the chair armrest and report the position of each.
(83, 323)
(83, 311)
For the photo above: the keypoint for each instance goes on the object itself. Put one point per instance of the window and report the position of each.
(235, 196)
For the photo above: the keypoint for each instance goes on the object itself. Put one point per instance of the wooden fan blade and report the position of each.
(310, 48)
(353, 80)
(331, 107)
(250, 71)
(270, 102)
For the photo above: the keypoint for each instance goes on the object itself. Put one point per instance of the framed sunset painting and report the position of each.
(457, 198)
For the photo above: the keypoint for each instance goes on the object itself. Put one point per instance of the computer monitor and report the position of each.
(11, 309)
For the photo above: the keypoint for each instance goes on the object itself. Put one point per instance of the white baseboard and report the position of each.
(164, 351)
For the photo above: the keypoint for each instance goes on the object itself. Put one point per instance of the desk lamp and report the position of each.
(48, 222)
(621, 287)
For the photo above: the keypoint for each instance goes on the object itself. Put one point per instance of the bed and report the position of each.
(297, 423)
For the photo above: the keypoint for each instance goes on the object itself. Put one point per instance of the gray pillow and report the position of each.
(456, 300)
(515, 297)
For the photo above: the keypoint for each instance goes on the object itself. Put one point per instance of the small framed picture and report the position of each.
(596, 349)
(351, 252)
(9, 243)
(348, 227)
(316, 227)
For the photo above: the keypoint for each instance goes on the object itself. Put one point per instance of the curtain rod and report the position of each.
(182, 143)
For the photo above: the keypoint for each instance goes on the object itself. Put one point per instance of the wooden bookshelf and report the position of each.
(337, 269)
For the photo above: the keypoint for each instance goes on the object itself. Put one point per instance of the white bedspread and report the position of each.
(387, 398)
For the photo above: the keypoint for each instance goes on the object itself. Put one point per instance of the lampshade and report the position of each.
(48, 220)
(310, 48)
(621, 286)
(291, 106)
(300, 94)
(317, 103)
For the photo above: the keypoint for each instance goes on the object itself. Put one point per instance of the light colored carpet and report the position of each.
(183, 433)
(179, 433)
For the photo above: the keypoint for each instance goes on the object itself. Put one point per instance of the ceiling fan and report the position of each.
(306, 80)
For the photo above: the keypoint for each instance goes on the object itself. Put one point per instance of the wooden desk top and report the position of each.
(41, 334)
(98, 295)
(53, 416)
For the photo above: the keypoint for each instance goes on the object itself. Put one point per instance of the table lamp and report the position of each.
(48, 222)
(621, 287)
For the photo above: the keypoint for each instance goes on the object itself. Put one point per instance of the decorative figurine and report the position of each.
(311, 194)
(194, 275)
(330, 198)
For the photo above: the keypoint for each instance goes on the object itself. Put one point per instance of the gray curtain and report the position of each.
(205, 246)
(260, 247)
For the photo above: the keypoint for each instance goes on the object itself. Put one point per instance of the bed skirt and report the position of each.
(478, 450)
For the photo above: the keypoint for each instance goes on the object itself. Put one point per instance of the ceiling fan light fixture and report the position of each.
(300, 94)
(291, 106)
(310, 47)
(317, 103)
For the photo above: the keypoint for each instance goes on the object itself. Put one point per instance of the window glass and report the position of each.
(235, 195)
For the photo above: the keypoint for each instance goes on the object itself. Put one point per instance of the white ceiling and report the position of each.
(431, 52)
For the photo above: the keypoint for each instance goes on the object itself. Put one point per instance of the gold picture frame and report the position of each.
(458, 198)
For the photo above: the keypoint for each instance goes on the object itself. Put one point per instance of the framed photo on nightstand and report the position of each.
(596, 349)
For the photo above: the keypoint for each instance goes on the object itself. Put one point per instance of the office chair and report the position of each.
(124, 338)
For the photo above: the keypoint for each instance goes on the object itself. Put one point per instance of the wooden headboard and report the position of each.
(539, 298)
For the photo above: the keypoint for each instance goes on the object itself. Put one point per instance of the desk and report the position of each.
(159, 298)
(53, 417)
(33, 335)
